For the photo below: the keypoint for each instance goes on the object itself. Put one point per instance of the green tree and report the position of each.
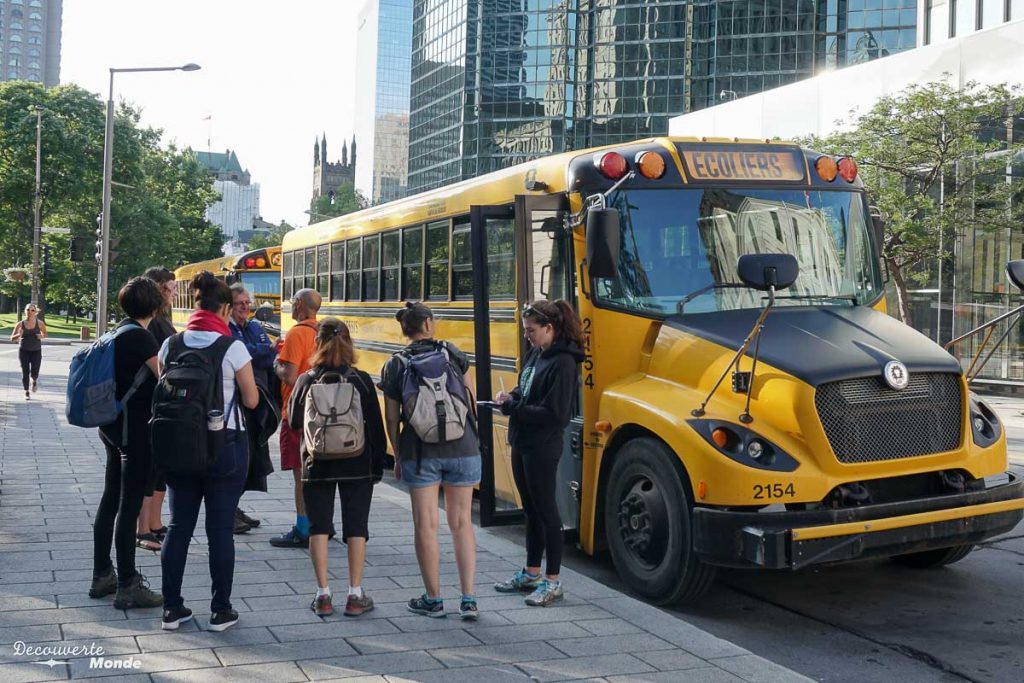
(273, 239)
(345, 200)
(933, 158)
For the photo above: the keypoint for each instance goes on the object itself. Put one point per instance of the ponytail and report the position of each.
(413, 317)
(560, 315)
(209, 293)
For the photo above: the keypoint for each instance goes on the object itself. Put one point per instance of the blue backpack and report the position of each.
(91, 395)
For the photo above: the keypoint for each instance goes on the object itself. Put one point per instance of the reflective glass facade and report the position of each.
(382, 119)
(498, 82)
(956, 18)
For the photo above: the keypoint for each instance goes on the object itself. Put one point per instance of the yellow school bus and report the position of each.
(745, 400)
(259, 270)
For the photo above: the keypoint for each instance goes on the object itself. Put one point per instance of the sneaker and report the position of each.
(222, 621)
(27, 397)
(241, 526)
(468, 610)
(35, 386)
(173, 618)
(322, 606)
(103, 585)
(357, 605)
(426, 607)
(521, 582)
(545, 593)
(137, 594)
(252, 522)
(292, 539)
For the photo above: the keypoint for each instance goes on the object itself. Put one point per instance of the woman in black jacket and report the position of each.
(539, 409)
(353, 477)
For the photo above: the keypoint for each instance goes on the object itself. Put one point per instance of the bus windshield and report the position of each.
(261, 282)
(678, 242)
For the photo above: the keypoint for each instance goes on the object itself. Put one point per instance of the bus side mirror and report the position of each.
(264, 312)
(1015, 271)
(878, 226)
(603, 242)
(763, 271)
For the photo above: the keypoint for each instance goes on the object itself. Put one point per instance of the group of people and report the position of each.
(261, 380)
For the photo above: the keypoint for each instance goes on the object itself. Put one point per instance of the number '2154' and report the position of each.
(588, 358)
(763, 491)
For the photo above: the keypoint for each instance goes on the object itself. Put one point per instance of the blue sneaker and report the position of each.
(427, 607)
(292, 539)
(545, 593)
(521, 582)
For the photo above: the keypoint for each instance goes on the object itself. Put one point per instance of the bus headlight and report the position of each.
(738, 443)
(985, 426)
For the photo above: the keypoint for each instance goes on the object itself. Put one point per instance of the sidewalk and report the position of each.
(51, 477)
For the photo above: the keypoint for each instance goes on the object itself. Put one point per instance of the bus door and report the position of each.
(548, 271)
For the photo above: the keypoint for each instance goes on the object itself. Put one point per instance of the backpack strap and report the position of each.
(141, 375)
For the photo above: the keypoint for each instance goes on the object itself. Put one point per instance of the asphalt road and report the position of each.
(876, 621)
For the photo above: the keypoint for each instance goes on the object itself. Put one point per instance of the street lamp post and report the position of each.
(103, 255)
(36, 202)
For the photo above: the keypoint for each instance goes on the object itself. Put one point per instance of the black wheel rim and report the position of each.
(644, 522)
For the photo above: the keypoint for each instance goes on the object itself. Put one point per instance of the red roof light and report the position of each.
(612, 165)
(848, 169)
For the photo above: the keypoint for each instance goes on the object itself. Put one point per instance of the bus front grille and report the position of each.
(866, 421)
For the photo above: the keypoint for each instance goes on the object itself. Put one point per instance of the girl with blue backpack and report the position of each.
(434, 450)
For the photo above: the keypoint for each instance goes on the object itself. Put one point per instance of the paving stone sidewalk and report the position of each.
(51, 477)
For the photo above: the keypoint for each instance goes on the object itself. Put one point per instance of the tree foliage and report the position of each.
(346, 199)
(158, 220)
(933, 159)
(273, 239)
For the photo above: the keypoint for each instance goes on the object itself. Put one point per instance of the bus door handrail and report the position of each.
(974, 369)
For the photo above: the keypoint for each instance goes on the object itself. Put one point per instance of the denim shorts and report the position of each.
(452, 471)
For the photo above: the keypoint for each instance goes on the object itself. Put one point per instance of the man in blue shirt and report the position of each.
(263, 353)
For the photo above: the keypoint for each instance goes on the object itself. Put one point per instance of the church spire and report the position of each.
(316, 152)
(344, 154)
(323, 148)
(353, 151)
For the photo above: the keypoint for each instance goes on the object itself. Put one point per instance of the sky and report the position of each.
(275, 75)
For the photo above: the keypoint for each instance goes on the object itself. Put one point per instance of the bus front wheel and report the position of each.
(648, 520)
(940, 557)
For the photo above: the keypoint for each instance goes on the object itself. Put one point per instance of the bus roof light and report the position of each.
(250, 262)
(847, 169)
(650, 164)
(827, 168)
(611, 165)
(261, 262)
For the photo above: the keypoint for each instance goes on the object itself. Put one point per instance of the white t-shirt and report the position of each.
(235, 359)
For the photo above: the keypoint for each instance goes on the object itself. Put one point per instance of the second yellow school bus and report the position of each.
(258, 269)
(835, 434)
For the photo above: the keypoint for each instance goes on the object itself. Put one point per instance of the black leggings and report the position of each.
(124, 487)
(30, 362)
(535, 472)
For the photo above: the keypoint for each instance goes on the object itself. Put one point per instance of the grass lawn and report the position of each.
(55, 326)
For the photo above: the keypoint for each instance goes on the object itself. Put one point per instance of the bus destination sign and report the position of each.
(730, 164)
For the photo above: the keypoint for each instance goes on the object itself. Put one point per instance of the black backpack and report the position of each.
(189, 387)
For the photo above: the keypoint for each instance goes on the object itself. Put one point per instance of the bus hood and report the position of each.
(823, 344)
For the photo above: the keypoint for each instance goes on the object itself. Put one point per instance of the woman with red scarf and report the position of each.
(220, 487)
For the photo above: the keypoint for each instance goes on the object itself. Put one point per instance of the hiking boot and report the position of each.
(322, 605)
(241, 526)
(222, 621)
(521, 582)
(427, 607)
(357, 605)
(545, 593)
(254, 523)
(173, 618)
(292, 539)
(103, 585)
(137, 594)
(468, 609)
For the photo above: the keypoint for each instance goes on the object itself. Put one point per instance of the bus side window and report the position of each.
(310, 282)
(323, 267)
(371, 268)
(437, 260)
(390, 264)
(462, 261)
(353, 269)
(337, 271)
(286, 276)
(412, 263)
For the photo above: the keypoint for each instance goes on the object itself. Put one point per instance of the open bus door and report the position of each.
(543, 270)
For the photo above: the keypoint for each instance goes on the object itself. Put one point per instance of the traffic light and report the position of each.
(47, 271)
(99, 239)
(77, 254)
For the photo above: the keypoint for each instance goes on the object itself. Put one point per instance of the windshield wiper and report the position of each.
(681, 304)
(840, 297)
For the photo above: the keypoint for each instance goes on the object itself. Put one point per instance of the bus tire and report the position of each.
(648, 521)
(929, 559)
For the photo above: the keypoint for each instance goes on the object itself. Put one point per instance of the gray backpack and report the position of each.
(434, 398)
(333, 426)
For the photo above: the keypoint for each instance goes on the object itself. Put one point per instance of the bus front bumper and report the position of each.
(800, 538)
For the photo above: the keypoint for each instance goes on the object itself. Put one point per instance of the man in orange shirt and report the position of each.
(292, 361)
